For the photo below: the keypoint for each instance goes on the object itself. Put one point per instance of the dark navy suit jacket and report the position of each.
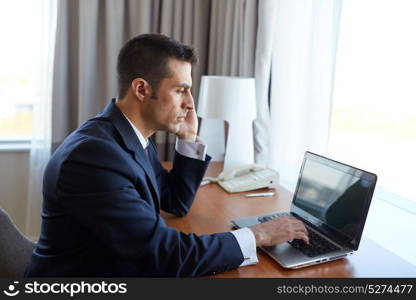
(100, 216)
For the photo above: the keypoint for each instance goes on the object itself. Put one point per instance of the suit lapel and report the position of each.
(143, 160)
(132, 142)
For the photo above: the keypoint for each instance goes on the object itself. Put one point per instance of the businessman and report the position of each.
(104, 186)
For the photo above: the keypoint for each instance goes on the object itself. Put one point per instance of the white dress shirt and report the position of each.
(197, 150)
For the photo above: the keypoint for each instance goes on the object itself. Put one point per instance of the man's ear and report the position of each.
(141, 88)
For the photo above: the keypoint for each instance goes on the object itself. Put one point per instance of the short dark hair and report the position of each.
(146, 56)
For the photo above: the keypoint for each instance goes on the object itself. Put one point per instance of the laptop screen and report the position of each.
(334, 196)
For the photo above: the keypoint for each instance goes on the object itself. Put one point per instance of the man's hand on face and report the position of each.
(189, 127)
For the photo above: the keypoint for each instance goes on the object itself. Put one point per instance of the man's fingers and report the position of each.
(290, 227)
(302, 236)
(298, 225)
(301, 228)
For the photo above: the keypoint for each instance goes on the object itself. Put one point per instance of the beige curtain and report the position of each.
(91, 32)
(232, 37)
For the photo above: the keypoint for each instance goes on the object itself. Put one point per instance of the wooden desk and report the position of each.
(214, 208)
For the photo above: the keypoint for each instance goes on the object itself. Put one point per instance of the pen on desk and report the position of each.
(260, 195)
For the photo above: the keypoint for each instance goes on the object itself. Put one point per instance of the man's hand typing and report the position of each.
(279, 230)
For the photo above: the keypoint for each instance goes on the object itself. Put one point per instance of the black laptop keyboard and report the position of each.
(317, 244)
(271, 217)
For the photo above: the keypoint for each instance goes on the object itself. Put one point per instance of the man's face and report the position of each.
(173, 98)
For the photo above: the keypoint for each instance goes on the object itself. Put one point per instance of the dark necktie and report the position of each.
(146, 151)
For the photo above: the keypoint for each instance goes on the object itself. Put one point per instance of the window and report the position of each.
(20, 61)
(374, 115)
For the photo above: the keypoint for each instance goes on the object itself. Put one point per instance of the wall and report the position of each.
(14, 179)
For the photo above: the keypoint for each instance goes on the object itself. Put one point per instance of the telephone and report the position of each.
(246, 178)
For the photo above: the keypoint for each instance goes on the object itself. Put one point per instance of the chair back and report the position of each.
(15, 248)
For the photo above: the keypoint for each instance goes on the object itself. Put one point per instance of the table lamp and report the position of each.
(231, 99)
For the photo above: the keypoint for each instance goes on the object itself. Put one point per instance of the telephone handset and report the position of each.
(237, 172)
(245, 178)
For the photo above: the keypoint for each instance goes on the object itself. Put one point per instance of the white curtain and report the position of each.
(303, 56)
(41, 134)
(264, 49)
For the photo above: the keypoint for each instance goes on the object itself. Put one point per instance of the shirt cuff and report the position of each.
(247, 241)
(197, 149)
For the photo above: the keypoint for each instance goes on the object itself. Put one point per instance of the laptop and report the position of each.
(332, 199)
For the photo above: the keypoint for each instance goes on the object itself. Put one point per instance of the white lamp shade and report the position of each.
(231, 99)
